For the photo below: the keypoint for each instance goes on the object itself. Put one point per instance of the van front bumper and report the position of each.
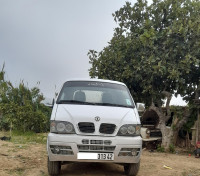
(74, 144)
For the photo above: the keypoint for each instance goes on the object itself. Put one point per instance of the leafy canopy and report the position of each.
(155, 48)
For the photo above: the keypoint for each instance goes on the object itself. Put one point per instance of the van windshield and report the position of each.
(95, 93)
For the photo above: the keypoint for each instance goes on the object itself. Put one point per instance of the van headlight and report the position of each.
(129, 130)
(61, 127)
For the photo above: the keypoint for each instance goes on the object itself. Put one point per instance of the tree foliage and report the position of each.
(21, 107)
(155, 51)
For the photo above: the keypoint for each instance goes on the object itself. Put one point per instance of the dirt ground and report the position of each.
(31, 159)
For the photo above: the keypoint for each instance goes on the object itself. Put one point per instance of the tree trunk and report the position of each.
(167, 132)
(175, 137)
(167, 136)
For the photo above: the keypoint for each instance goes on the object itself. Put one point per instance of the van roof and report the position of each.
(96, 80)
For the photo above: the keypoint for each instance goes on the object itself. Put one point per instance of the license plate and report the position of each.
(96, 156)
(105, 156)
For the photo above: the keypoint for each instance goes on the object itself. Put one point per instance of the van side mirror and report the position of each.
(140, 107)
(49, 104)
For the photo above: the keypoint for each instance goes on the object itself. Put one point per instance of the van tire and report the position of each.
(54, 167)
(131, 169)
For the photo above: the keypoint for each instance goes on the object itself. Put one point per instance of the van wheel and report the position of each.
(54, 167)
(131, 169)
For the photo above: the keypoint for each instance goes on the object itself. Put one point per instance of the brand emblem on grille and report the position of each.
(97, 118)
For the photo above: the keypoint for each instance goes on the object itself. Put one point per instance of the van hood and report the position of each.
(87, 113)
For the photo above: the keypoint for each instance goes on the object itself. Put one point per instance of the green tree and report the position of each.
(21, 107)
(155, 51)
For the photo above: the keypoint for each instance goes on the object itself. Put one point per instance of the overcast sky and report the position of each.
(48, 40)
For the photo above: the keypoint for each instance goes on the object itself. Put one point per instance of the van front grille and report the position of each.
(96, 145)
(86, 127)
(95, 148)
(107, 128)
(96, 141)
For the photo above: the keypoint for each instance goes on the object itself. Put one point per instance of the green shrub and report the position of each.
(21, 108)
(171, 148)
(160, 148)
(24, 118)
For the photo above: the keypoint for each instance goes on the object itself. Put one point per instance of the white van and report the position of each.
(94, 120)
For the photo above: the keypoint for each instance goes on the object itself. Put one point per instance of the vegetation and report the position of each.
(171, 148)
(155, 51)
(21, 108)
(22, 139)
(160, 148)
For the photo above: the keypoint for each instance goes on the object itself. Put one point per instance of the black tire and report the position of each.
(54, 167)
(131, 169)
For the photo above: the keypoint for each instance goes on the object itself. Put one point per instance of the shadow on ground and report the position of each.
(91, 169)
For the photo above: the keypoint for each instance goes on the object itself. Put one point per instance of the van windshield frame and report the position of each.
(95, 93)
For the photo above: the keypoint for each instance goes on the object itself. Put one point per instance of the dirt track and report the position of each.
(30, 160)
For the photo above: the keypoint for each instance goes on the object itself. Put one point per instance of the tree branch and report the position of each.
(159, 113)
(169, 97)
(184, 119)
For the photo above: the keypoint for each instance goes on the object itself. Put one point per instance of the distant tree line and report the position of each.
(21, 108)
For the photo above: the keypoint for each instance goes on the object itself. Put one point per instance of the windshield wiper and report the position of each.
(74, 102)
(89, 103)
(117, 105)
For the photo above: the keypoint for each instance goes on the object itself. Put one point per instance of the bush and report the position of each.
(171, 148)
(24, 118)
(160, 148)
(21, 108)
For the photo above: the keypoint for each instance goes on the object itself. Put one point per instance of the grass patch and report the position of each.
(21, 146)
(19, 137)
(12, 150)
(17, 171)
(4, 145)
